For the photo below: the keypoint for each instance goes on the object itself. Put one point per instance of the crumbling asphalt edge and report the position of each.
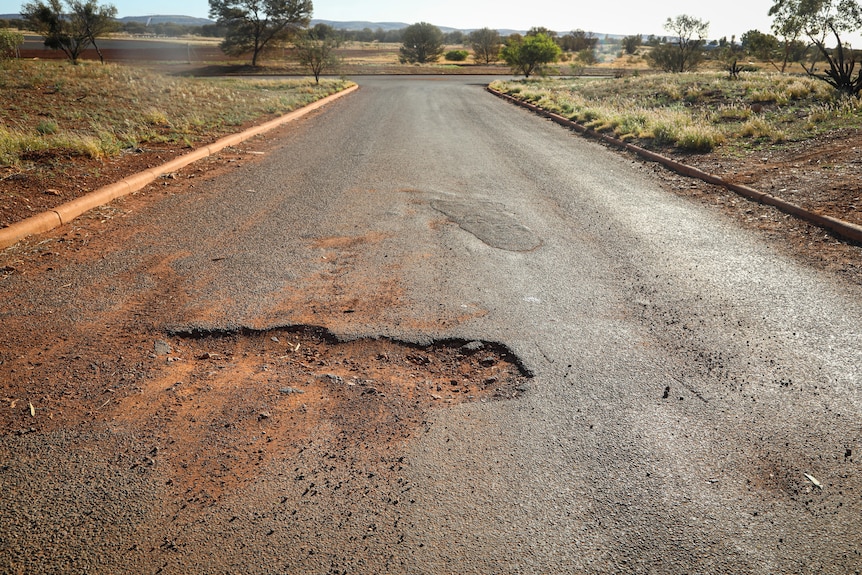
(67, 212)
(840, 228)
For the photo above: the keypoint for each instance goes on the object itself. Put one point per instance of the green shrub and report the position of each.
(456, 55)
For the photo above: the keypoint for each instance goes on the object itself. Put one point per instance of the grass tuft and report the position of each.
(99, 110)
(696, 112)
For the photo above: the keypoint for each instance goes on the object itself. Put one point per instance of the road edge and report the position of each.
(845, 230)
(65, 213)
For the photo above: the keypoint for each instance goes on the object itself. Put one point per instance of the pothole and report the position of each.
(227, 401)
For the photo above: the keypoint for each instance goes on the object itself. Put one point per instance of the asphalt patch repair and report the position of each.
(220, 404)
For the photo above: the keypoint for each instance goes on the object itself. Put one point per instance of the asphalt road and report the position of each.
(690, 383)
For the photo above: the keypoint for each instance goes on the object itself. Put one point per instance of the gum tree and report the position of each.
(71, 29)
(819, 20)
(251, 25)
(686, 51)
(529, 54)
(486, 44)
(316, 51)
(421, 43)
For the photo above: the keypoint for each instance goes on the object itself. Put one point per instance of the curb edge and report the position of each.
(845, 230)
(65, 213)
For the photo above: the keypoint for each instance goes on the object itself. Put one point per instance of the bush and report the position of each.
(46, 127)
(456, 55)
(10, 42)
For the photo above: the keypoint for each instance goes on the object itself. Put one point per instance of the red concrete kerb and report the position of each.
(67, 212)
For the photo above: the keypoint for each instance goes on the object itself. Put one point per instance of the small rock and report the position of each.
(275, 339)
(488, 361)
(52, 192)
(162, 347)
(334, 378)
(208, 355)
(290, 390)
(473, 346)
(264, 415)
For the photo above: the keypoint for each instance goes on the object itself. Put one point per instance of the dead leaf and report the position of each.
(813, 480)
(32, 409)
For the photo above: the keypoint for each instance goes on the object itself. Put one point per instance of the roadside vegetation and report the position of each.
(51, 109)
(696, 112)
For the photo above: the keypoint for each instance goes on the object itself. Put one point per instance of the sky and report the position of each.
(726, 18)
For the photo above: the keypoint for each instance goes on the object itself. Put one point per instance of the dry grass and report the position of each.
(696, 112)
(54, 109)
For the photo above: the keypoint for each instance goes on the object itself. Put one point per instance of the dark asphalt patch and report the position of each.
(489, 222)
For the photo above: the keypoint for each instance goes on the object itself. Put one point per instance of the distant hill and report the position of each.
(162, 19)
(355, 26)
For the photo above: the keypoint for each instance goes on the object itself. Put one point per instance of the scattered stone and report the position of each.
(162, 347)
(473, 346)
(488, 361)
(290, 390)
(208, 355)
(334, 378)
(264, 415)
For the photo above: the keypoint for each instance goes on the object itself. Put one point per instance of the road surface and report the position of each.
(687, 397)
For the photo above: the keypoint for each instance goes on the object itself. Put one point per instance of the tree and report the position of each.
(421, 43)
(787, 25)
(71, 32)
(578, 41)
(95, 20)
(317, 53)
(322, 31)
(454, 37)
(538, 30)
(818, 19)
(10, 42)
(528, 55)
(684, 53)
(632, 43)
(486, 44)
(764, 47)
(251, 25)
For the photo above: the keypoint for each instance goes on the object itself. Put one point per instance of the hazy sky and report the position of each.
(601, 16)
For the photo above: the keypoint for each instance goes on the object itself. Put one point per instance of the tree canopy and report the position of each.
(251, 25)
(315, 49)
(818, 20)
(684, 52)
(421, 43)
(486, 44)
(529, 54)
(73, 29)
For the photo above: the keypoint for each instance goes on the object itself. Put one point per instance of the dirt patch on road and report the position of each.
(222, 404)
(216, 406)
